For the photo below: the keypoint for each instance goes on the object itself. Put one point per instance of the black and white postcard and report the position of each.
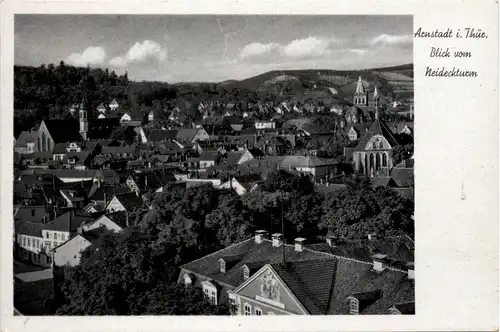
(176, 168)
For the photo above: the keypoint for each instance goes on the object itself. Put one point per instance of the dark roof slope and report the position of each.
(310, 281)
(68, 222)
(64, 130)
(129, 200)
(378, 128)
(249, 252)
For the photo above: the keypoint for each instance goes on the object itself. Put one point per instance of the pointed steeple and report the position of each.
(359, 88)
(375, 93)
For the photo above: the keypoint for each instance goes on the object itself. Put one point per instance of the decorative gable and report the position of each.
(267, 288)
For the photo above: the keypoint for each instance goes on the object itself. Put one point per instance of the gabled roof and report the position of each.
(26, 137)
(68, 222)
(186, 135)
(161, 135)
(64, 130)
(305, 161)
(130, 200)
(249, 252)
(378, 128)
(247, 181)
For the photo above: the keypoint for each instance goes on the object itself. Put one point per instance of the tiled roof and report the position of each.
(403, 177)
(68, 222)
(378, 128)
(74, 173)
(186, 135)
(400, 248)
(29, 228)
(310, 281)
(250, 252)
(25, 137)
(161, 135)
(130, 201)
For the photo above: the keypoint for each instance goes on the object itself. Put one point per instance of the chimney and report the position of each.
(260, 235)
(411, 270)
(331, 240)
(299, 244)
(277, 239)
(79, 230)
(379, 262)
(372, 236)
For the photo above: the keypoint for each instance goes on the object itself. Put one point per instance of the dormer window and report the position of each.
(222, 265)
(187, 280)
(246, 272)
(353, 306)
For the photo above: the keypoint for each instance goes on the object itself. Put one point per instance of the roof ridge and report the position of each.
(218, 251)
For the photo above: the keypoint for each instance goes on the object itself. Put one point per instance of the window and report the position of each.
(258, 312)
(29, 242)
(247, 310)
(222, 264)
(354, 306)
(54, 244)
(49, 260)
(37, 243)
(213, 298)
(246, 272)
(24, 241)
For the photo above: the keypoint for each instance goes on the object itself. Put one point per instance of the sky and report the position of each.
(212, 48)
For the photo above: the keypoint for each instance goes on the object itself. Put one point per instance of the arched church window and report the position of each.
(384, 159)
(371, 161)
(377, 161)
(374, 145)
(380, 145)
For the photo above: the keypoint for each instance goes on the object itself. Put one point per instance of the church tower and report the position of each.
(84, 124)
(360, 96)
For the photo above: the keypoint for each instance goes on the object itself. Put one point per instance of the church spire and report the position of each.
(359, 88)
(375, 93)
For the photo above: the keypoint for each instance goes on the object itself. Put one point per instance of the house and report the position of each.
(356, 131)
(73, 175)
(100, 223)
(69, 252)
(259, 276)
(236, 158)
(73, 198)
(127, 202)
(242, 184)
(209, 158)
(159, 135)
(101, 108)
(191, 135)
(25, 143)
(318, 168)
(150, 180)
(36, 240)
(113, 105)
(265, 125)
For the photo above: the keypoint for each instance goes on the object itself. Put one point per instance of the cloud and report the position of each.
(308, 47)
(256, 49)
(140, 52)
(93, 55)
(391, 40)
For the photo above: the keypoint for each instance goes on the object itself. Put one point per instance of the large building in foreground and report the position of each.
(267, 277)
